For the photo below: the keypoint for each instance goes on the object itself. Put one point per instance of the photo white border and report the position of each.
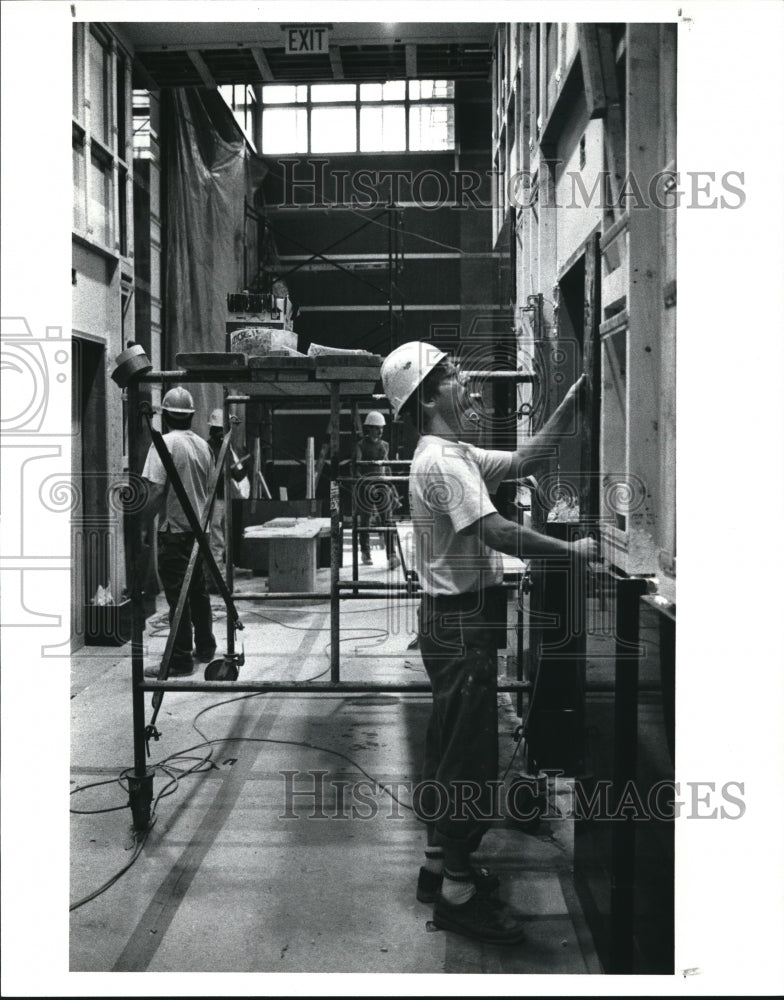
(730, 692)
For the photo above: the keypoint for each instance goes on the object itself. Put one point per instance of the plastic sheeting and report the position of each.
(209, 174)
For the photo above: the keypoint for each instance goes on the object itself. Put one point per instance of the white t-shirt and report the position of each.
(449, 490)
(193, 461)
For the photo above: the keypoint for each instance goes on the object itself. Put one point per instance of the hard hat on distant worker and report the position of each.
(178, 400)
(216, 418)
(405, 369)
(375, 419)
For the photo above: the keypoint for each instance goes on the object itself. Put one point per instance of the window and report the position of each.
(242, 101)
(79, 183)
(101, 204)
(122, 204)
(285, 130)
(100, 137)
(77, 74)
(382, 129)
(141, 124)
(395, 116)
(121, 98)
(100, 105)
(333, 130)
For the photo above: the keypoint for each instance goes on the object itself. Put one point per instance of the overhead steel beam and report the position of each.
(411, 61)
(261, 61)
(336, 62)
(203, 70)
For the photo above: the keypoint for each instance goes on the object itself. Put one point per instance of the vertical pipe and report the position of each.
(401, 252)
(520, 627)
(140, 782)
(227, 501)
(334, 509)
(254, 487)
(310, 491)
(391, 281)
(137, 604)
(231, 632)
(354, 495)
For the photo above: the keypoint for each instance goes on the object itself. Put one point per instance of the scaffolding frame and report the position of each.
(337, 384)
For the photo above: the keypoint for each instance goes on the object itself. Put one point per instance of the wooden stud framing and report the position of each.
(589, 430)
(593, 80)
(614, 128)
(644, 299)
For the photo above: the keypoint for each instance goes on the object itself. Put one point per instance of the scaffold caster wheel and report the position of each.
(223, 668)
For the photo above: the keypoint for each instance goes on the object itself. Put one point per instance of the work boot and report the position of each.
(394, 562)
(429, 883)
(483, 918)
(179, 666)
(367, 559)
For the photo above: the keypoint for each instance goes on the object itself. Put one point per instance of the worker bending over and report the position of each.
(459, 538)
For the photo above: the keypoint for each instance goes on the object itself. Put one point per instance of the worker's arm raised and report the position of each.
(513, 539)
(544, 444)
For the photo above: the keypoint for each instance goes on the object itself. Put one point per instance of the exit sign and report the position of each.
(306, 39)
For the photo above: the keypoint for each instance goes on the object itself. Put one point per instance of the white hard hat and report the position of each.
(375, 419)
(216, 418)
(406, 368)
(178, 400)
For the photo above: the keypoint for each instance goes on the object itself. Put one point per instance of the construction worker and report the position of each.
(459, 538)
(193, 461)
(373, 496)
(238, 476)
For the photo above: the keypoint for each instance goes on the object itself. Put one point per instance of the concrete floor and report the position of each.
(226, 881)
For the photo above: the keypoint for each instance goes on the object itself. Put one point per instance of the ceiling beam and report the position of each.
(261, 61)
(336, 62)
(411, 61)
(202, 69)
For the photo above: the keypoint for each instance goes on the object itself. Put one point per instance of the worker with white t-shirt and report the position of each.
(459, 539)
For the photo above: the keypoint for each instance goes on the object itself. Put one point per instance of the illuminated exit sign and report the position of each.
(306, 38)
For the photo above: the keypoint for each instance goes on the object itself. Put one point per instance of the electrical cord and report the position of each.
(204, 764)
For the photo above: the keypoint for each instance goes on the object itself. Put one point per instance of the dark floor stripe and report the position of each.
(156, 919)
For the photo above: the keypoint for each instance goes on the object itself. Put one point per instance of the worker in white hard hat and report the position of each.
(240, 489)
(193, 460)
(459, 537)
(372, 496)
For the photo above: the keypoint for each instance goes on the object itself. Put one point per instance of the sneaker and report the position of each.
(483, 918)
(367, 559)
(429, 883)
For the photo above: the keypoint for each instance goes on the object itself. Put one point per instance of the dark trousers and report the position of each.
(459, 638)
(374, 497)
(174, 552)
